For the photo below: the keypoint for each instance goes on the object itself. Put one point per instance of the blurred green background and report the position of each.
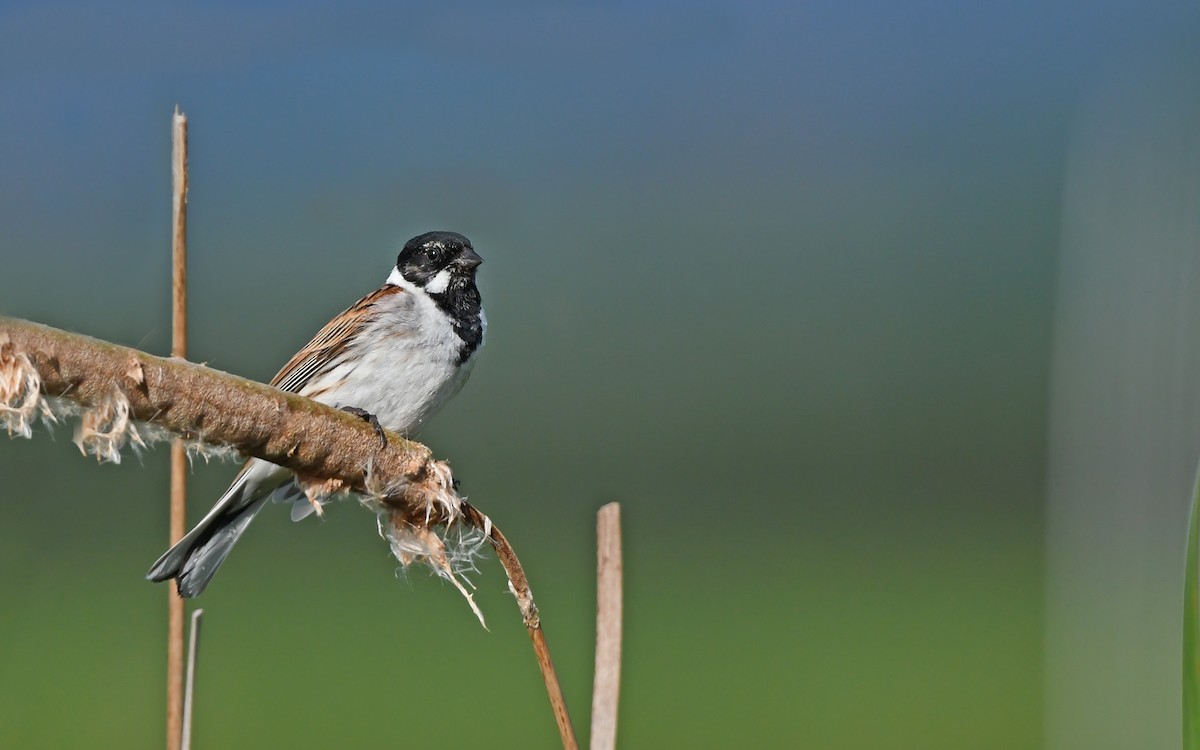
(781, 278)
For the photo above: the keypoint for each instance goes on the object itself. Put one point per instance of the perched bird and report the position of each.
(394, 358)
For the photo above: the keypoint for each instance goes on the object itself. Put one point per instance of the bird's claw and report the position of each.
(370, 419)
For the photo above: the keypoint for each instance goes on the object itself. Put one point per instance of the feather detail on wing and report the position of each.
(331, 342)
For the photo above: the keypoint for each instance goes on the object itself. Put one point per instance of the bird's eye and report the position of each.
(435, 253)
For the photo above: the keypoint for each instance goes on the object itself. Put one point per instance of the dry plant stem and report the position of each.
(175, 604)
(519, 585)
(178, 522)
(189, 693)
(179, 173)
(311, 439)
(201, 403)
(607, 685)
(557, 702)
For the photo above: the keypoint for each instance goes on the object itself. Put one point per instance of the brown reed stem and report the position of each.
(519, 585)
(178, 522)
(606, 687)
(311, 439)
(207, 405)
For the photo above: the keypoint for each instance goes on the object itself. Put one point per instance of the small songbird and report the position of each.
(394, 358)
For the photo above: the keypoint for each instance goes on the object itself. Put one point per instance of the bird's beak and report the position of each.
(469, 259)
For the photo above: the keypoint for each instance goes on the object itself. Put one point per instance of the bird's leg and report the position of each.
(370, 419)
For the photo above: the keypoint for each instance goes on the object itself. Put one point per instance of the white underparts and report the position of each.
(401, 367)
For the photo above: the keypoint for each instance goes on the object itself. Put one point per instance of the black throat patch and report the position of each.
(462, 303)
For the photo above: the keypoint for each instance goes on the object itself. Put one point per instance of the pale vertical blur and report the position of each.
(1125, 413)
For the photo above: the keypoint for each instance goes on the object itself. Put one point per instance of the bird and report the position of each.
(393, 358)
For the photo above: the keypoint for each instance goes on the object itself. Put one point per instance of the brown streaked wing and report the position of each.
(330, 342)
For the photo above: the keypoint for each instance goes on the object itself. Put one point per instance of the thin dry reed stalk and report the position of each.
(518, 583)
(607, 682)
(189, 688)
(178, 522)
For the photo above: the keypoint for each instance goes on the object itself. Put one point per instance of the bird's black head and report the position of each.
(443, 265)
(437, 260)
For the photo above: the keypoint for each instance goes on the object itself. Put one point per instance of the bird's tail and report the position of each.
(195, 559)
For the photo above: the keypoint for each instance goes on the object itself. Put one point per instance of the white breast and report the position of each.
(402, 367)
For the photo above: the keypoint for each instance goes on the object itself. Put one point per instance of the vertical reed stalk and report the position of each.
(189, 690)
(178, 459)
(1191, 627)
(606, 686)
